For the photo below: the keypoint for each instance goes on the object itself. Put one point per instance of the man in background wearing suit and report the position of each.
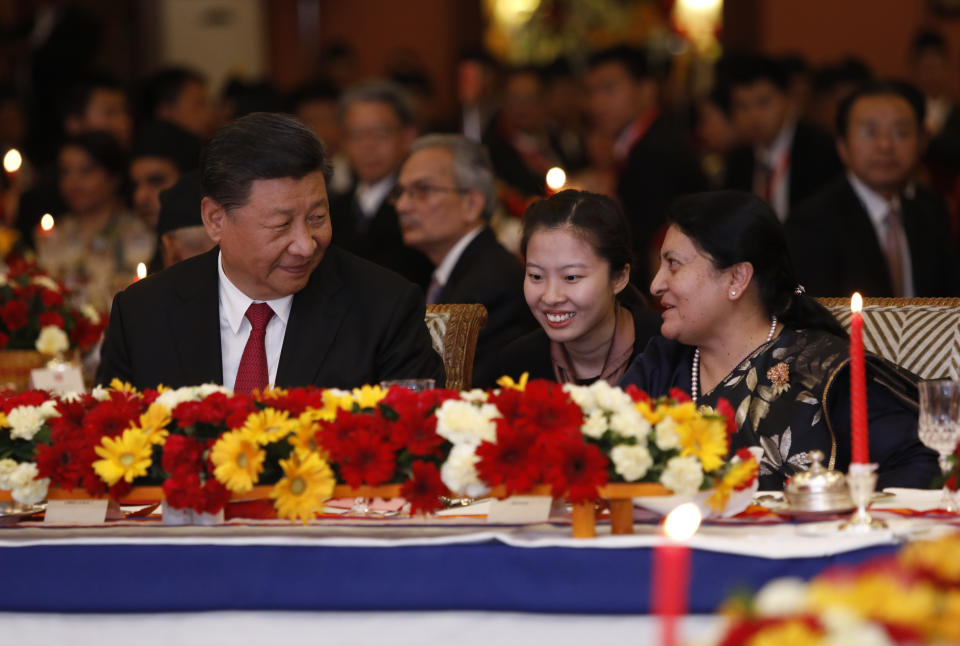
(274, 303)
(445, 197)
(377, 131)
(872, 230)
(783, 161)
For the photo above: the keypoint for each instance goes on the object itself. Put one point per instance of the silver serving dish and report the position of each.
(818, 490)
(14, 512)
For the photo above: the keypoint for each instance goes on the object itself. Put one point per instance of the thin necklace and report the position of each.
(695, 367)
(616, 321)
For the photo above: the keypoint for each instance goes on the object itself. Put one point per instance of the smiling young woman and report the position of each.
(577, 257)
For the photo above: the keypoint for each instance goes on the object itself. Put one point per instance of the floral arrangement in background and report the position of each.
(910, 598)
(205, 443)
(36, 313)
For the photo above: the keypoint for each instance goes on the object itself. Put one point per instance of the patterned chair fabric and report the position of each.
(919, 334)
(453, 331)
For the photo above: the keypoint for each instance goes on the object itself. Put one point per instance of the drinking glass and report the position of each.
(416, 385)
(939, 426)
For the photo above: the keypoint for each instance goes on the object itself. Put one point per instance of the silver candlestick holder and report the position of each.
(862, 479)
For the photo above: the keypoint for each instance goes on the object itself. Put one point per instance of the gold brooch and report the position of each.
(779, 376)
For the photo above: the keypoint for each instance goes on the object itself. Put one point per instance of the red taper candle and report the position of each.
(670, 579)
(858, 385)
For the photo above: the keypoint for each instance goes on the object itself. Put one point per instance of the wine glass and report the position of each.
(939, 426)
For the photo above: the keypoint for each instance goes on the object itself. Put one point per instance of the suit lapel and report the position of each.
(196, 322)
(466, 260)
(862, 233)
(317, 313)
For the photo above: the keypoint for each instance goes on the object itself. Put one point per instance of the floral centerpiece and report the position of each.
(911, 598)
(205, 443)
(36, 314)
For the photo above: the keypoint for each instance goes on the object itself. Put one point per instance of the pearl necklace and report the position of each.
(695, 367)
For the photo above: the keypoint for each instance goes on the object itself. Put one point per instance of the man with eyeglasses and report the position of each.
(377, 127)
(444, 198)
(873, 230)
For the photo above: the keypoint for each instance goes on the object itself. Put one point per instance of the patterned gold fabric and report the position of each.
(453, 331)
(919, 334)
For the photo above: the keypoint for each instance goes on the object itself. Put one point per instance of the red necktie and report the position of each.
(253, 373)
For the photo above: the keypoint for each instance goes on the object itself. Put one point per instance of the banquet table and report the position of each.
(402, 576)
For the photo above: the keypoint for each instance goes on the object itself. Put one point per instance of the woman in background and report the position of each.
(577, 256)
(737, 325)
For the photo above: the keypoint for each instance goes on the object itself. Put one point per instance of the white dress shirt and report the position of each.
(442, 273)
(877, 208)
(371, 196)
(776, 159)
(235, 328)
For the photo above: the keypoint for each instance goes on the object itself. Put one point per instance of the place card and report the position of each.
(520, 509)
(61, 378)
(81, 511)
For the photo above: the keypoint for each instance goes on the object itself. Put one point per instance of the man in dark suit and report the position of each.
(377, 131)
(655, 165)
(870, 230)
(275, 303)
(783, 161)
(445, 197)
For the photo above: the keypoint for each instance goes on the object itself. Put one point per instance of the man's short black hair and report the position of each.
(319, 91)
(750, 68)
(882, 88)
(166, 86)
(261, 145)
(850, 70)
(633, 59)
(928, 40)
(77, 98)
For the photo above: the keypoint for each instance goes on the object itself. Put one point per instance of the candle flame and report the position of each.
(141, 270)
(556, 178)
(12, 161)
(856, 303)
(683, 522)
(46, 222)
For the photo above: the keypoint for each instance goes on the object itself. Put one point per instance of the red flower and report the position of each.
(679, 396)
(4, 340)
(297, 400)
(416, 426)
(26, 398)
(182, 455)
(216, 496)
(424, 488)
(14, 315)
(67, 460)
(337, 436)
(50, 298)
(51, 318)
(725, 409)
(637, 395)
(511, 461)
(366, 459)
(184, 492)
(545, 409)
(575, 468)
(113, 416)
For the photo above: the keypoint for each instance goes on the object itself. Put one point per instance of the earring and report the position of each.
(733, 292)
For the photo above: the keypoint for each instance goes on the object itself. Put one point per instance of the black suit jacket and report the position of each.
(836, 252)
(659, 168)
(488, 274)
(813, 163)
(353, 323)
(378, 240)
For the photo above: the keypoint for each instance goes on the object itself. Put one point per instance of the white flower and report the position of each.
(628, 422)
(72, 397)
(595, 425)
(683, 475)
(47, 283)
(91, 313)
(7, 467)
(476, 396)
(52, 340)
(459, 472)
(3, 279)
(466, 423)
(25, 487)
(582, 396)
(25, 421)
(631, 462)
(49, 409)
(172, 398)
(610, 398)
(847, 629)
(204, 390)
(665, 434)
(100, 393)
(786, 596)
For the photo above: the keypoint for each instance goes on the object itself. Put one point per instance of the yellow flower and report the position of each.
(3, 419)
(238, 460)
(273, 393)
(683, 412)
(507, 381)
(305, 437)
(935, 556)
(269, 425)
(126, 457)
(789, 633)
(368, 396)
(878, 596)
(738, 475)
(649, 414)
(307, 483)
(154, 423)
(705, 439)
(122, 386)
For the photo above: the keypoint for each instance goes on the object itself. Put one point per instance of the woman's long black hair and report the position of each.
(733, 227)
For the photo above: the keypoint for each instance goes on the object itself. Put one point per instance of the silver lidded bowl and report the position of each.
(818, 489)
